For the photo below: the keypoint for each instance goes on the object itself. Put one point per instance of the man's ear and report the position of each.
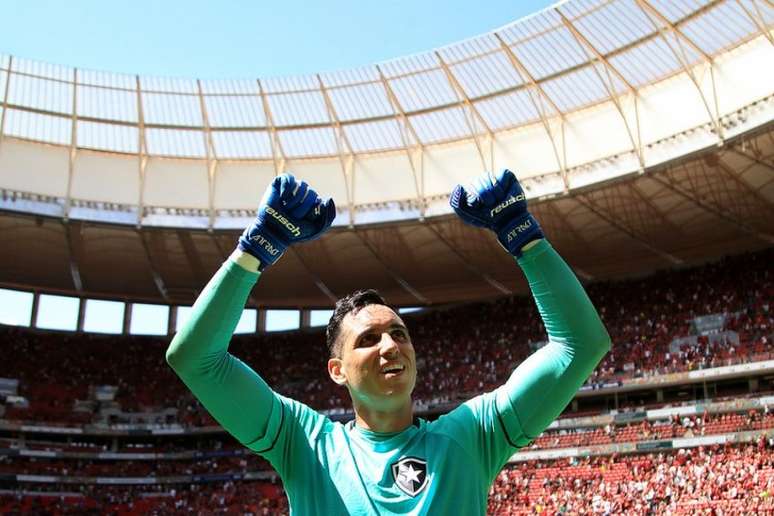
(335, 370)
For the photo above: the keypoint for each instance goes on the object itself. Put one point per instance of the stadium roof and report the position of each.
(617, 115)
(563, 59)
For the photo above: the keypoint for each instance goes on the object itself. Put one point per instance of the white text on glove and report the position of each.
(521, 228)
(284, 221)
(265, 244)
(511, 200)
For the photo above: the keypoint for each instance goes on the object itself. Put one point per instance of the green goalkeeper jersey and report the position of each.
(442, 467)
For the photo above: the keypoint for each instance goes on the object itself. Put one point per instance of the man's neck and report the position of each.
(384, 421)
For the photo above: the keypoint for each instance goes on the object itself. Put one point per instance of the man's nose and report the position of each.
(388, 346)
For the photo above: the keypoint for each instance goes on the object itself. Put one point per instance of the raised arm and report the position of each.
(542, 386)
(231, 391)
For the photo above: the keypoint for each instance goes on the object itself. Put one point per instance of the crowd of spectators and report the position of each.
(643, 317)
(670, 428)
(705, 480)
(226, 457)
(461, 350)
(130, 468)
(257, 498)
(728, 479)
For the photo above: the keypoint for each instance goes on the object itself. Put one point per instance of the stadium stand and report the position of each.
(259, 498)
(711, 480)
(735, 479)
(657, 321)
(643, 132)
(462, 350)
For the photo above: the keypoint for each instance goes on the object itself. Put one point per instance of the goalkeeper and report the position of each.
(387, 461)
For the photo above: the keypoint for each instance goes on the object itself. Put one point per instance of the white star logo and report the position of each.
(409, 473)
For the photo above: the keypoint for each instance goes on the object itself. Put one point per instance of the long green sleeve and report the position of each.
(230, 390)
(542, 386)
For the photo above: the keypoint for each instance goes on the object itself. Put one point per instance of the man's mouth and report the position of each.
(391, 370)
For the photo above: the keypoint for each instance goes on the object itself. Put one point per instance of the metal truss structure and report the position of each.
(641, 130)
(716, 203)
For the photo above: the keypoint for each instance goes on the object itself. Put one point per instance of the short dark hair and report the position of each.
(351, 303)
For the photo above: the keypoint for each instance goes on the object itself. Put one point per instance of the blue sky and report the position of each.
(241, 39)
(225, 39)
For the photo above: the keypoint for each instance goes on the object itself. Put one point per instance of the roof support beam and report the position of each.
(584, 43)
(75, 251)
(526, 76)
(73, 147)
(757, 19)
(142, 152)
(677, 24)
(471, 112)
(749, 190)
(725, 188)
(651, 12)
(588, 46)
(766, 184)
(673, 228)
(315, 278)
(212, 158)
(565, 221)
(414, 152)
(397, 277)
(345, 152)
(277, 152)
(392, 247)
(668, 182)
(468, 265)
(157, 279)
(599, 212)
(753, 158)
(192, 255)
(645, 6)
(5, 99)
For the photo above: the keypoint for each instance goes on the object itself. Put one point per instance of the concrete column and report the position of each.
(35, 306)
(172, 320)
(81, 314)
(306, 318)
(127, 318)
(753, 384)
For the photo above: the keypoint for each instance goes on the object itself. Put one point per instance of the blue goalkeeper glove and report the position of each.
(500, 206)
(290, 212)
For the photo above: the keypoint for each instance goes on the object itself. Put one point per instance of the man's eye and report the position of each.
(399, 334)
(369, 340)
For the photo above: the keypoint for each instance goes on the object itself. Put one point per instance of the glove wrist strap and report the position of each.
(519, 232)
(262, 244)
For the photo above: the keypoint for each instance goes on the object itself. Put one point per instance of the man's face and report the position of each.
(377, 362)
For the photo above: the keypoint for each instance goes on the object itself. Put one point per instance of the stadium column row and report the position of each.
(70, 314)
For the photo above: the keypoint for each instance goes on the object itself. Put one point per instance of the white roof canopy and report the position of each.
(579, 93)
